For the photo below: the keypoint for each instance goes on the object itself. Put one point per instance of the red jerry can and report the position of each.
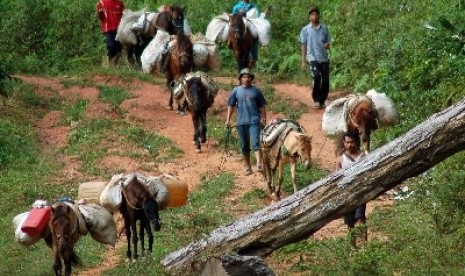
(36, 221)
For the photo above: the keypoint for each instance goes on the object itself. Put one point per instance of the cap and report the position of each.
(246, 71)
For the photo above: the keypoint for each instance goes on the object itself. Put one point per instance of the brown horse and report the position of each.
(62, 235)
(198, 101)
(240, 41)
(362, 119)
(170, 20)
(296, 145)
(138, 205)
(180, 61)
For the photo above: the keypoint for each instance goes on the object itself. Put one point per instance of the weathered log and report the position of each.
(301, 214)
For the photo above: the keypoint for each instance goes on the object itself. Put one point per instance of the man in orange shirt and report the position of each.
(110, 12)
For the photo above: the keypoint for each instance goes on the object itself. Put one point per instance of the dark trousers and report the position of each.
(351, 217)
(320, 73)
(113, 46)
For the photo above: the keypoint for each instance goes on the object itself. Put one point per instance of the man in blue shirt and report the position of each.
(315, 41)
(243, 7)
(250, 105)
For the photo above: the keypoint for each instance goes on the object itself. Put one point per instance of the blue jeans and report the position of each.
(351, 217)
(249, 135)
(113, 46)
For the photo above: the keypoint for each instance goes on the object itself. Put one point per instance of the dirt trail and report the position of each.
(147, 108)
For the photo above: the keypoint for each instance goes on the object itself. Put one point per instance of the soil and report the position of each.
(147, 108)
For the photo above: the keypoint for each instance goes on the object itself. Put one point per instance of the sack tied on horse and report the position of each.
(179, 86)
(100, 223)
(218, 28)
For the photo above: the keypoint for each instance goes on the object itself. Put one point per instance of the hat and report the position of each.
(246, 71)
(314, 9)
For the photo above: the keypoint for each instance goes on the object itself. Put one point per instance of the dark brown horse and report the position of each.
(240, 41)
(180, 62)
(171, 20)
(62, 235)
(138, 205)
(198, 101)
(362, 119)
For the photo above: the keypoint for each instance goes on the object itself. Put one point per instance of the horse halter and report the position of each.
(127, 201)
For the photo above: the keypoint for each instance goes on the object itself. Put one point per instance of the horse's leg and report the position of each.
(195, 121)
(57, 260)
(292, 166)
(135, 239)
(268, 171)
(67, 261)
(143, 223)
(150, 236)
(280, 177)
(203, 127)
(127, 227)
(169, 79)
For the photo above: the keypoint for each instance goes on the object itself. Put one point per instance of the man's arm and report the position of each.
(303, 56)
(263, 115)
(228, 115)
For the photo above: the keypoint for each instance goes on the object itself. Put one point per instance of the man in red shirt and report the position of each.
(110, 12)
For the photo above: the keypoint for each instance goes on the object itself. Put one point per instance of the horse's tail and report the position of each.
(197, 91)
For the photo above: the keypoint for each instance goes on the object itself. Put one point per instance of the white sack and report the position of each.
(102, 226)
(152, 55)
(111, 197)
(200, 54)
(387, 113)
(21, 237)
(334, 120)
(124, 33)
(218, 28)
(260, 27)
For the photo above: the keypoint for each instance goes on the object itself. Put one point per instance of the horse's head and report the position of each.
(138, 196)
(304, 149)
(364, 119)
(177, 18)
(182, 55)
(64, 226)
(237, 27)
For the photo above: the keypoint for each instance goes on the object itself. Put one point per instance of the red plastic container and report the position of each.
(36, 221)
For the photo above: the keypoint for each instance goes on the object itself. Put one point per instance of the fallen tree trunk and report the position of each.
(300, 215)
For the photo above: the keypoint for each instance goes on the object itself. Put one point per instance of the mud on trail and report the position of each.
(147, 108)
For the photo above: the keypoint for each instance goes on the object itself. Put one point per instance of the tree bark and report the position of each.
(301, 214)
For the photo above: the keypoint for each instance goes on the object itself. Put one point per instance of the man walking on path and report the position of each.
(250, 105)
(315, 41)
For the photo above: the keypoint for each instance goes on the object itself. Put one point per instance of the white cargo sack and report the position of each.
(102, 226)
(125, 34)
(20, 236)
(334, 120)
(200, 54)
(260, 27)
(152, 55)
(111, 197)
(218, 28)
(157, 188)
(387, 113)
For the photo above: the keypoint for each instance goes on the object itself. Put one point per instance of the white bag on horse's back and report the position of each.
(262, 28)
(124, 33)
(200, 54)
(387, 113)
(334, 120)
(111, 197)
(252, 13)
(81, 220)
(157, 188)
(21, 237)
(218, 28)
(152, 54)
(102, 226)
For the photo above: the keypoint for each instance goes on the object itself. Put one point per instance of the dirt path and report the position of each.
(147, 109)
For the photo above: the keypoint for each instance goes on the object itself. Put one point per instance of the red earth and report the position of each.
(147, 107)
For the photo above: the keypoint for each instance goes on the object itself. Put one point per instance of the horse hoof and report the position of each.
(203, 140)
(197, 151)
(275, 197)
(170, 108)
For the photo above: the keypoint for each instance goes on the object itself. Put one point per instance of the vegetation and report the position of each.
(411, 50)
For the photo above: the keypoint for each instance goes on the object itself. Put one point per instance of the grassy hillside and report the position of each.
(411, 50)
